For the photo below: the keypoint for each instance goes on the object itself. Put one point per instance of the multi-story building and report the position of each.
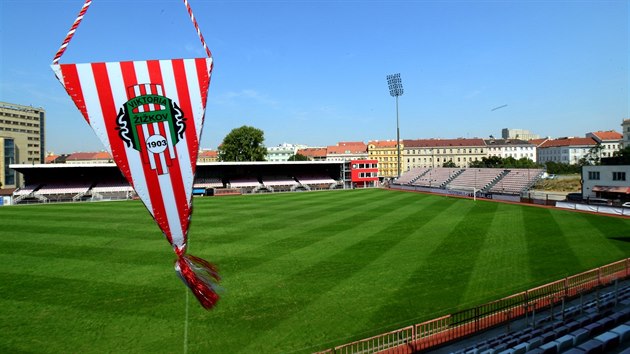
(625, 130)
(386, 153)
(208, 156)
(83, 158)
(609, 141)
(522, 134)
(515, 148)
(565, 150)
(22, 139)
(347, 151)
(436, 152)
(282, 152)
(606, 181)
(313, 153)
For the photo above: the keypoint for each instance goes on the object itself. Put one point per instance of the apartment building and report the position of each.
(436, 152)
(386, 153)
(610, 142)
(514, 148)
(22, 139)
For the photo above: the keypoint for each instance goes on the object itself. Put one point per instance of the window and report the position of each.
(593, 175)
(619, 176)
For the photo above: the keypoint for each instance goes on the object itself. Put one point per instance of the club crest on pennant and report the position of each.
(152, 124)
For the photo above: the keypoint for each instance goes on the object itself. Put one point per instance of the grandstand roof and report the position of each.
(568, 142)
(444, 142)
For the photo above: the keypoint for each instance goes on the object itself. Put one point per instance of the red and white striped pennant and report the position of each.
(149, 115)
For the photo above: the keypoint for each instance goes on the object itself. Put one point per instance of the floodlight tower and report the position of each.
(396, 89)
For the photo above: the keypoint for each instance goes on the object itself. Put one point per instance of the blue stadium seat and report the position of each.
(549, 348)
(561, 330)
(579, 336)
(520, 348)
(592, 346)
(573, 325)
(534, 343)
(565, 342)
(548, 337)
(607, 323)
(574, 351)
(594, 329)
(623, 331)
(609, 339)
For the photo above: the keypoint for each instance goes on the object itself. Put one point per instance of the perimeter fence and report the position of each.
(433, 333)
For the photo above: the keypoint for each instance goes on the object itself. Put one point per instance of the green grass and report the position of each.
(301, 272)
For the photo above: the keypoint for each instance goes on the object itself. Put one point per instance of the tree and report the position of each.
(592, 157)
(449, 164)
(243, 144)
(298, 157)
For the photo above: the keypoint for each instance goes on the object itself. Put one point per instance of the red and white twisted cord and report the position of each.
(73, 29)
(194, 21)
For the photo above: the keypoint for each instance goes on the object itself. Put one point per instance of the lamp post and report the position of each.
(395, 90)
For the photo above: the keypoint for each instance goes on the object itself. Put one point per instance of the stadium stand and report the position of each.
(246, 185)
(111, 191)
(599, 325)
(437, 177)
(488, 180)
(478, 178)
(516, 181)
(280, 183)
(208, 182)
(59, 192)
(312, 182)
(411, 175)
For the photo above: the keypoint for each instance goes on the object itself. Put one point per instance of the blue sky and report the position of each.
(313, 72)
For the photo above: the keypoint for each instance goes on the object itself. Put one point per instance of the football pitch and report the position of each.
(301, 271)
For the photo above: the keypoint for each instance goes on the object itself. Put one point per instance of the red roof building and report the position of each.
(208, 156)
(565, 150)
(347, 151)
(314, 154)
(89, 157)
(610, 141)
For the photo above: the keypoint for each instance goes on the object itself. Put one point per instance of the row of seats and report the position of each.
(593, 328)
(493, 180)
(478, 178)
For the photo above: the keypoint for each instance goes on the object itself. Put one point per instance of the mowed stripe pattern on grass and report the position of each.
(301, 271)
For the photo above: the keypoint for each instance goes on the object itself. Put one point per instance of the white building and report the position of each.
(515, 148)
(606, 181)
(564, 150)
(610, 142)
(523, 134)
(282, 152)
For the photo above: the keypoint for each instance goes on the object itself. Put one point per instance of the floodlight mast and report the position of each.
(395, 90)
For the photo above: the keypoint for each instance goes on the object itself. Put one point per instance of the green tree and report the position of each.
(592, 157)
(449, 164)
(623, 155)
(243, 144)
(298, 157)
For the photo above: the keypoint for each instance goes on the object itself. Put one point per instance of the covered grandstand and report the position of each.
(103, 181)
